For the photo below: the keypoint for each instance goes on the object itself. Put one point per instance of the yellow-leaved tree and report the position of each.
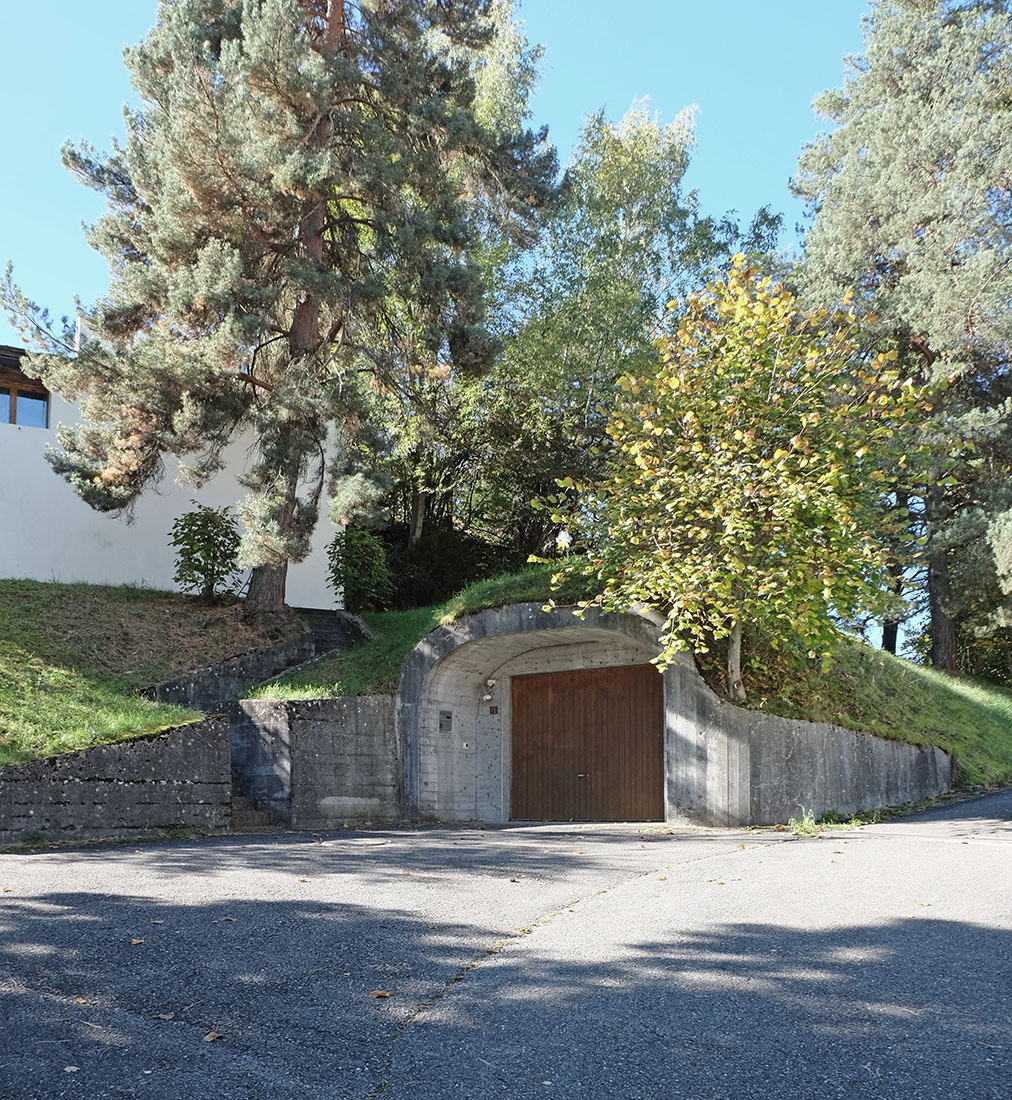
(745, 476)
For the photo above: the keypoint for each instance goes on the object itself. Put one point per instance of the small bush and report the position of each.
(358, 567)
(206, 542)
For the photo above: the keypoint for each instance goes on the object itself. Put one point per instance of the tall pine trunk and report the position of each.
(267, 583)
(943, 629)
(267, 586)
(417, 523)
(890, 635)
(266, 593)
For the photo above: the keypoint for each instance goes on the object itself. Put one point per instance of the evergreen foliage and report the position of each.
(293, 209)
(571, 315)
(913, 207)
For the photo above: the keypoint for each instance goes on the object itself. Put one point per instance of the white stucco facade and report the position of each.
(48, 533)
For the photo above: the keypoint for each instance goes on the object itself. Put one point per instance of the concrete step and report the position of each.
(332, 629)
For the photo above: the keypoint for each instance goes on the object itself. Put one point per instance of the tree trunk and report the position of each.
(266, 593)
(735, 685)
(891, 627)
(943, 629)
(417, 517)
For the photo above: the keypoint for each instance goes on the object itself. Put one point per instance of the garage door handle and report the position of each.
(582, 775)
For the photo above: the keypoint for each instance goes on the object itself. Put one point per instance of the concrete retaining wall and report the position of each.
(177, 778)
(215, 686)
(723, 765)
(318, 763)
(731, 766)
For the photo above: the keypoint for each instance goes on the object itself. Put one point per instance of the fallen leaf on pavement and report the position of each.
(379, 993)
(158, 922)
(166, 1016)
(136, 941)
(71, 1069)
(80, 1000)
(231, 920)
(212, 1035)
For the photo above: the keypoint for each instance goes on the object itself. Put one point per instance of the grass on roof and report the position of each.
(374, 667)
(865, 689)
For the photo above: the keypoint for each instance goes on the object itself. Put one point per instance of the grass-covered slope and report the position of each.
(868, 689)
(375, 666)
(73, 656)
(865, 689)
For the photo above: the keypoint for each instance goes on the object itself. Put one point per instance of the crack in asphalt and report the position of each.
(498, 946)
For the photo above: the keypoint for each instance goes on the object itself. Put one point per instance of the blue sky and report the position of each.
(751, 66)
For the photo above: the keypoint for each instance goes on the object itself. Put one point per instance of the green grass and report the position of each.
(47, 708)
(370, 668)
(375, 666)
(73, 656)
(865, 689)
(868, 689)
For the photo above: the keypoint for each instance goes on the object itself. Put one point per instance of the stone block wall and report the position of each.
(180, 777)
(318, 763)
(215, 686)
(261, 755)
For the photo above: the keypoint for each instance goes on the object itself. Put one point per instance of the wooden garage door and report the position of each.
(588, 745)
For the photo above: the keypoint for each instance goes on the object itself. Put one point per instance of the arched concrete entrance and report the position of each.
(722, 765)
(455, 701)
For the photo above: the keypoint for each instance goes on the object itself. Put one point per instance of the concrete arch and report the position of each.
(455, 741)
(722, 765)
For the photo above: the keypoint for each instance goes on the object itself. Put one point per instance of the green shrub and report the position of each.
(358, 567)
(442, 562)
(206, 542)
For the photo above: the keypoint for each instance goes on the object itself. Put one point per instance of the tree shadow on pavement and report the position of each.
(126, 990)
(911, 1009)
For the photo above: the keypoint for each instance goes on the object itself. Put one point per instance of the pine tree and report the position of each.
(912, 199)
(293, 206)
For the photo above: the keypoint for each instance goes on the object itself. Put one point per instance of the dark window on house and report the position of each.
(23, 400)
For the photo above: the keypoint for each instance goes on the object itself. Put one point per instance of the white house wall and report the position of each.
(48, 533)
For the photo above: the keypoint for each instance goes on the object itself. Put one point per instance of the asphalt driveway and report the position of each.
(603, 961)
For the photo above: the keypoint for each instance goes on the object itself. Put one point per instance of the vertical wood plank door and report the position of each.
(588, 745)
